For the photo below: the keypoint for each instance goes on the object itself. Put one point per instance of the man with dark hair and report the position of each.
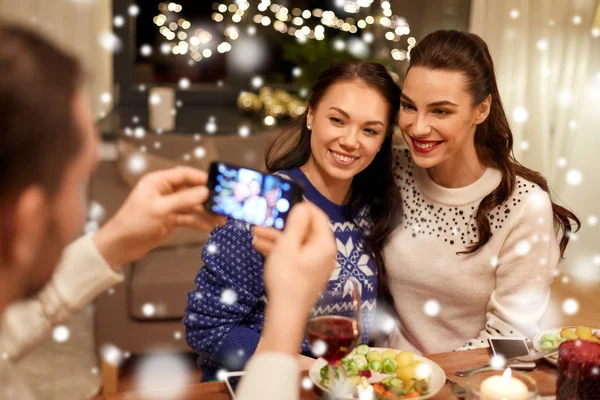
(48, 148)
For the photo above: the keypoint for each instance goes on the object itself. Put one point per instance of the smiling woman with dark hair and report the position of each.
(477, 251)
(340, 152)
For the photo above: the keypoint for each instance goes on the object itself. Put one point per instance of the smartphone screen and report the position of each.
(250, 196)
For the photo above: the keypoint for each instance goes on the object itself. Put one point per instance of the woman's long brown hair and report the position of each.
(467, 53)
(375, 185)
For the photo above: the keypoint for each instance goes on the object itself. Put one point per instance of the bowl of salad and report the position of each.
(552, 338)
(391, 374)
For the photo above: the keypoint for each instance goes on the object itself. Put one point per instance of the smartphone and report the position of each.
(232, 379)
(250, 196)
(509, 347)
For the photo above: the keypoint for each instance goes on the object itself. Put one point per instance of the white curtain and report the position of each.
(547, 58)
(76, 25)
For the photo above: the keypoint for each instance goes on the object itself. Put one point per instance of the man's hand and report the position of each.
(296, 271)
(160, 202)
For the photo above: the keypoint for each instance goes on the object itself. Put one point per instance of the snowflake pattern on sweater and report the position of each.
(224, 316)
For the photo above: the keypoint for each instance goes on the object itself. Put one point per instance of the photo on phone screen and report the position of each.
(250, 196)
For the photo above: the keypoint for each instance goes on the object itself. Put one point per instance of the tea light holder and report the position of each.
(496, 384)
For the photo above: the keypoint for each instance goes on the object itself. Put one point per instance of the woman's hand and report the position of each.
(265, 239)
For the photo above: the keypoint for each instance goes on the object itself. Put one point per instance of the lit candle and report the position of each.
(503, 387)
(365, 390)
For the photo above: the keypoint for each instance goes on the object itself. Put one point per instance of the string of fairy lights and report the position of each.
(181, 40)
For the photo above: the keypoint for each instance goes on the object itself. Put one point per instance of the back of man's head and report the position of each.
(38, 136)
(41, 138)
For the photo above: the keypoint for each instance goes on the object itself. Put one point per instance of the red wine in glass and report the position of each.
(339, 335)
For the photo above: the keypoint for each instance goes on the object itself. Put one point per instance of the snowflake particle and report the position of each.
(106, 98)
(139, 132)
(307, 383)
(61, 334)
(212, 248)
(109, 42)
(184, 83)
(244, 130)
(570, 306)
(155, 99)
(118, 21)
(522, 248)
(497, 361)
(133, 10)
(494, 261)
(319, 347)
(221, 374)
(146, 50)
(111, 354)
(137, 164)
(431, 308)
(148, 309)
(228, 296)
(199, 152)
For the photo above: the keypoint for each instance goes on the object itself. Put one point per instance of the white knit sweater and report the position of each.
(448, 301)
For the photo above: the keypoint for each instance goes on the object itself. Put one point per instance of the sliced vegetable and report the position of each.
(388, 366)
(404, 358)
(388, 354)
(363, 349)
(583, 332)
(548, 345)
(374, 355)
(375, 366)
(422, 386)
(361, 362)
(568, 333)
(324, 372)
(387, 380)
(365, 374)
(350, 366)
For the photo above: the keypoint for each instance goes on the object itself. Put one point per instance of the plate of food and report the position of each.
(552, 338)
(392, 374)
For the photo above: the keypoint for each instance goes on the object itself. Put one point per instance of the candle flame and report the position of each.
(506, 376)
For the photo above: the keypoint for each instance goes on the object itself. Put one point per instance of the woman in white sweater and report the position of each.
(477, 248)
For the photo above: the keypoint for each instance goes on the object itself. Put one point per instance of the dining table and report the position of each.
(544, 374)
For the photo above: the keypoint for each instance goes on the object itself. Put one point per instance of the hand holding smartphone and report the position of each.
(250, 196)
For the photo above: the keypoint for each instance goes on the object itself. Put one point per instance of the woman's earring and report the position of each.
(308, 127)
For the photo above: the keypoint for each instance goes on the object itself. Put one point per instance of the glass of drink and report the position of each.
(334, 327)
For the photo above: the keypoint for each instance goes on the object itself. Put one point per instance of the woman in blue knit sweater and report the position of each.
(340, 153)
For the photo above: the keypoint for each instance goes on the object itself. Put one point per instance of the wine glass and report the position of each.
(335, 326)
